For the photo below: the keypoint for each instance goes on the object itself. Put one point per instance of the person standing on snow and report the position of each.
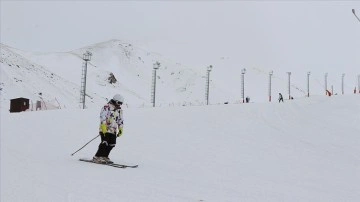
(281, 99)
(111, 126)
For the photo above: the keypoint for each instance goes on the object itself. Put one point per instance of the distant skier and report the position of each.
(328, 93)
(281, 99)
(111, 126)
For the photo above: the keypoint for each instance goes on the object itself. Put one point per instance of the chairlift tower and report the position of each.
(207, 87)
(243, 71)
(86, 58)
(153, 85)
(359, 83)
(342, 83)
(308, 84)
(270, 75)
(326, 75)
(353, 11)
(289, 84)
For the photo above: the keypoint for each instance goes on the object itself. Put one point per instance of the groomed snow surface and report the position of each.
(301, 150)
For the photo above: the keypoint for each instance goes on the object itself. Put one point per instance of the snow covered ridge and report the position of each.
(22, 78)
(304, 150)
(57, 76)
(131, 66)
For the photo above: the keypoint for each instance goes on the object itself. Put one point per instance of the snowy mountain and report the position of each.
(301, 150)
(21, 77)
(25, 74)
(131, 66)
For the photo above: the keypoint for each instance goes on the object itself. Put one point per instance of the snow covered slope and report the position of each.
(304, 150)
(23, 78)
(132, 66)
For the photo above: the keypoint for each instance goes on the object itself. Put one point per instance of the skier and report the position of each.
(281, 99)
(111, 126)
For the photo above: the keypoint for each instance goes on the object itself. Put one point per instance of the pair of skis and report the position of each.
(110, 164)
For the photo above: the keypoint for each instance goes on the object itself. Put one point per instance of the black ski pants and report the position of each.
(108, 142)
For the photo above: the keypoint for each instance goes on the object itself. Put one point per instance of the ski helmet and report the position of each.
(118, 98)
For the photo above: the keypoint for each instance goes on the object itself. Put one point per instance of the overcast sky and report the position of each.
(258, 33)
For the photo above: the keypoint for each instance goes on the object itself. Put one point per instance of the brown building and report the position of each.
(19, 104)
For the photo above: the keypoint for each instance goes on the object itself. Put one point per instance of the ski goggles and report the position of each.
(118, 102)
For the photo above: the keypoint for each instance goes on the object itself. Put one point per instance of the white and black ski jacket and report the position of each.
(112, 117)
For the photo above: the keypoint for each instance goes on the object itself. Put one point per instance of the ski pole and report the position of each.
(85, 145)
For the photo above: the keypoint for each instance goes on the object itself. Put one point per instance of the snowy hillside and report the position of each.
(23, 78)
(26, 74)
(304, 150)
(132, 67)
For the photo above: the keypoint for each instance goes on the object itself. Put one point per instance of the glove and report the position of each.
(120, 132)
(103, 128)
